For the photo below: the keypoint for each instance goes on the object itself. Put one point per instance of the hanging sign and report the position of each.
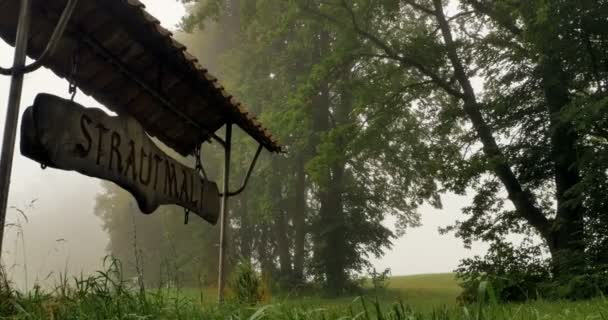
(62, 134)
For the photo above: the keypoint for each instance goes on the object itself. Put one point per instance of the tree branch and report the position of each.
(420, 7)
(390, 52)
(523, 200)
(491, 13)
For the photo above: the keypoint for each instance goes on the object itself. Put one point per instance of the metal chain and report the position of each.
(201, 171)
(199, 166)
(73, 89)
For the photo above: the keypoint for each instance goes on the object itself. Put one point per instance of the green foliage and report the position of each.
(148, 245)
(502, 98)
(580, 287)
(520, 274)
(513, 274)
(380, 280)
(246, 285)
(6, 294)
(320, 207)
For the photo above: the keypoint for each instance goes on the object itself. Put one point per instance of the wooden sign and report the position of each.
(65, 135)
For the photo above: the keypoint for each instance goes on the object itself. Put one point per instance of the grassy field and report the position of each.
(421, 292)
(420, 297)
(425, 291)
(433, 297)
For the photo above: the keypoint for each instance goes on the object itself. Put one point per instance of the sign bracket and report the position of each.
(249, 172)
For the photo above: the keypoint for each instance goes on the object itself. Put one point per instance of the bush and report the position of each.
(380, 280)
(579, 287)
(515, 274)
(246, 284)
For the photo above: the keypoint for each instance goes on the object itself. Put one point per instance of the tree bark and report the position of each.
(299, 221)
(246, 229)
(567, 240)
(330, 235)
(265, 253)
(332, 220)
(281, 228)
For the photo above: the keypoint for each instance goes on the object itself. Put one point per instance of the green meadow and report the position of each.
(420, 292)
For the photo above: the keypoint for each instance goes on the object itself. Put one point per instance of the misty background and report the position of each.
(62, 234)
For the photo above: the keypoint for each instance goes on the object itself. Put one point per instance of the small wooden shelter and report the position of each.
(128, 62)
(116, 52)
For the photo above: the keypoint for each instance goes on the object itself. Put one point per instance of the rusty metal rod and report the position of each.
(249, 172)
(12, 111)
(224, 214)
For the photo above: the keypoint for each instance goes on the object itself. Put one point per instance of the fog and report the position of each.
(62, 234)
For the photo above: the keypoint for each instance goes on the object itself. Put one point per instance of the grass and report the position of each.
(425, 292)
(431, 297)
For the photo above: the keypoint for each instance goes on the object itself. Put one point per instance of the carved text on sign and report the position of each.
(64, 135)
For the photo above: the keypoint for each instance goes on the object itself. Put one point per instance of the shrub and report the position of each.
(380, 280)
(6, 307)
(515, 274)
(246, 284)
(579, 287)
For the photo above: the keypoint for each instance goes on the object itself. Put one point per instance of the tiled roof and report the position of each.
(127, 61)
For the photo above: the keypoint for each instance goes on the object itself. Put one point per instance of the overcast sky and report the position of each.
(63, 233)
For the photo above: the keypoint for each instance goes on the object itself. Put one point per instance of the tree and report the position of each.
(321, 206)
(514, 94)
(158, 249)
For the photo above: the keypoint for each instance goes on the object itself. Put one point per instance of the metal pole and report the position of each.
(12, 112)
(224, 214)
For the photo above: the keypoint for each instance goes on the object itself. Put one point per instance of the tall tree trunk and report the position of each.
(566, 243)
(265, 254)
(246, 229)
(299, 211)
(299, 221)
(329, 240)
(338, 231)
(280, 226)
(332, 220)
